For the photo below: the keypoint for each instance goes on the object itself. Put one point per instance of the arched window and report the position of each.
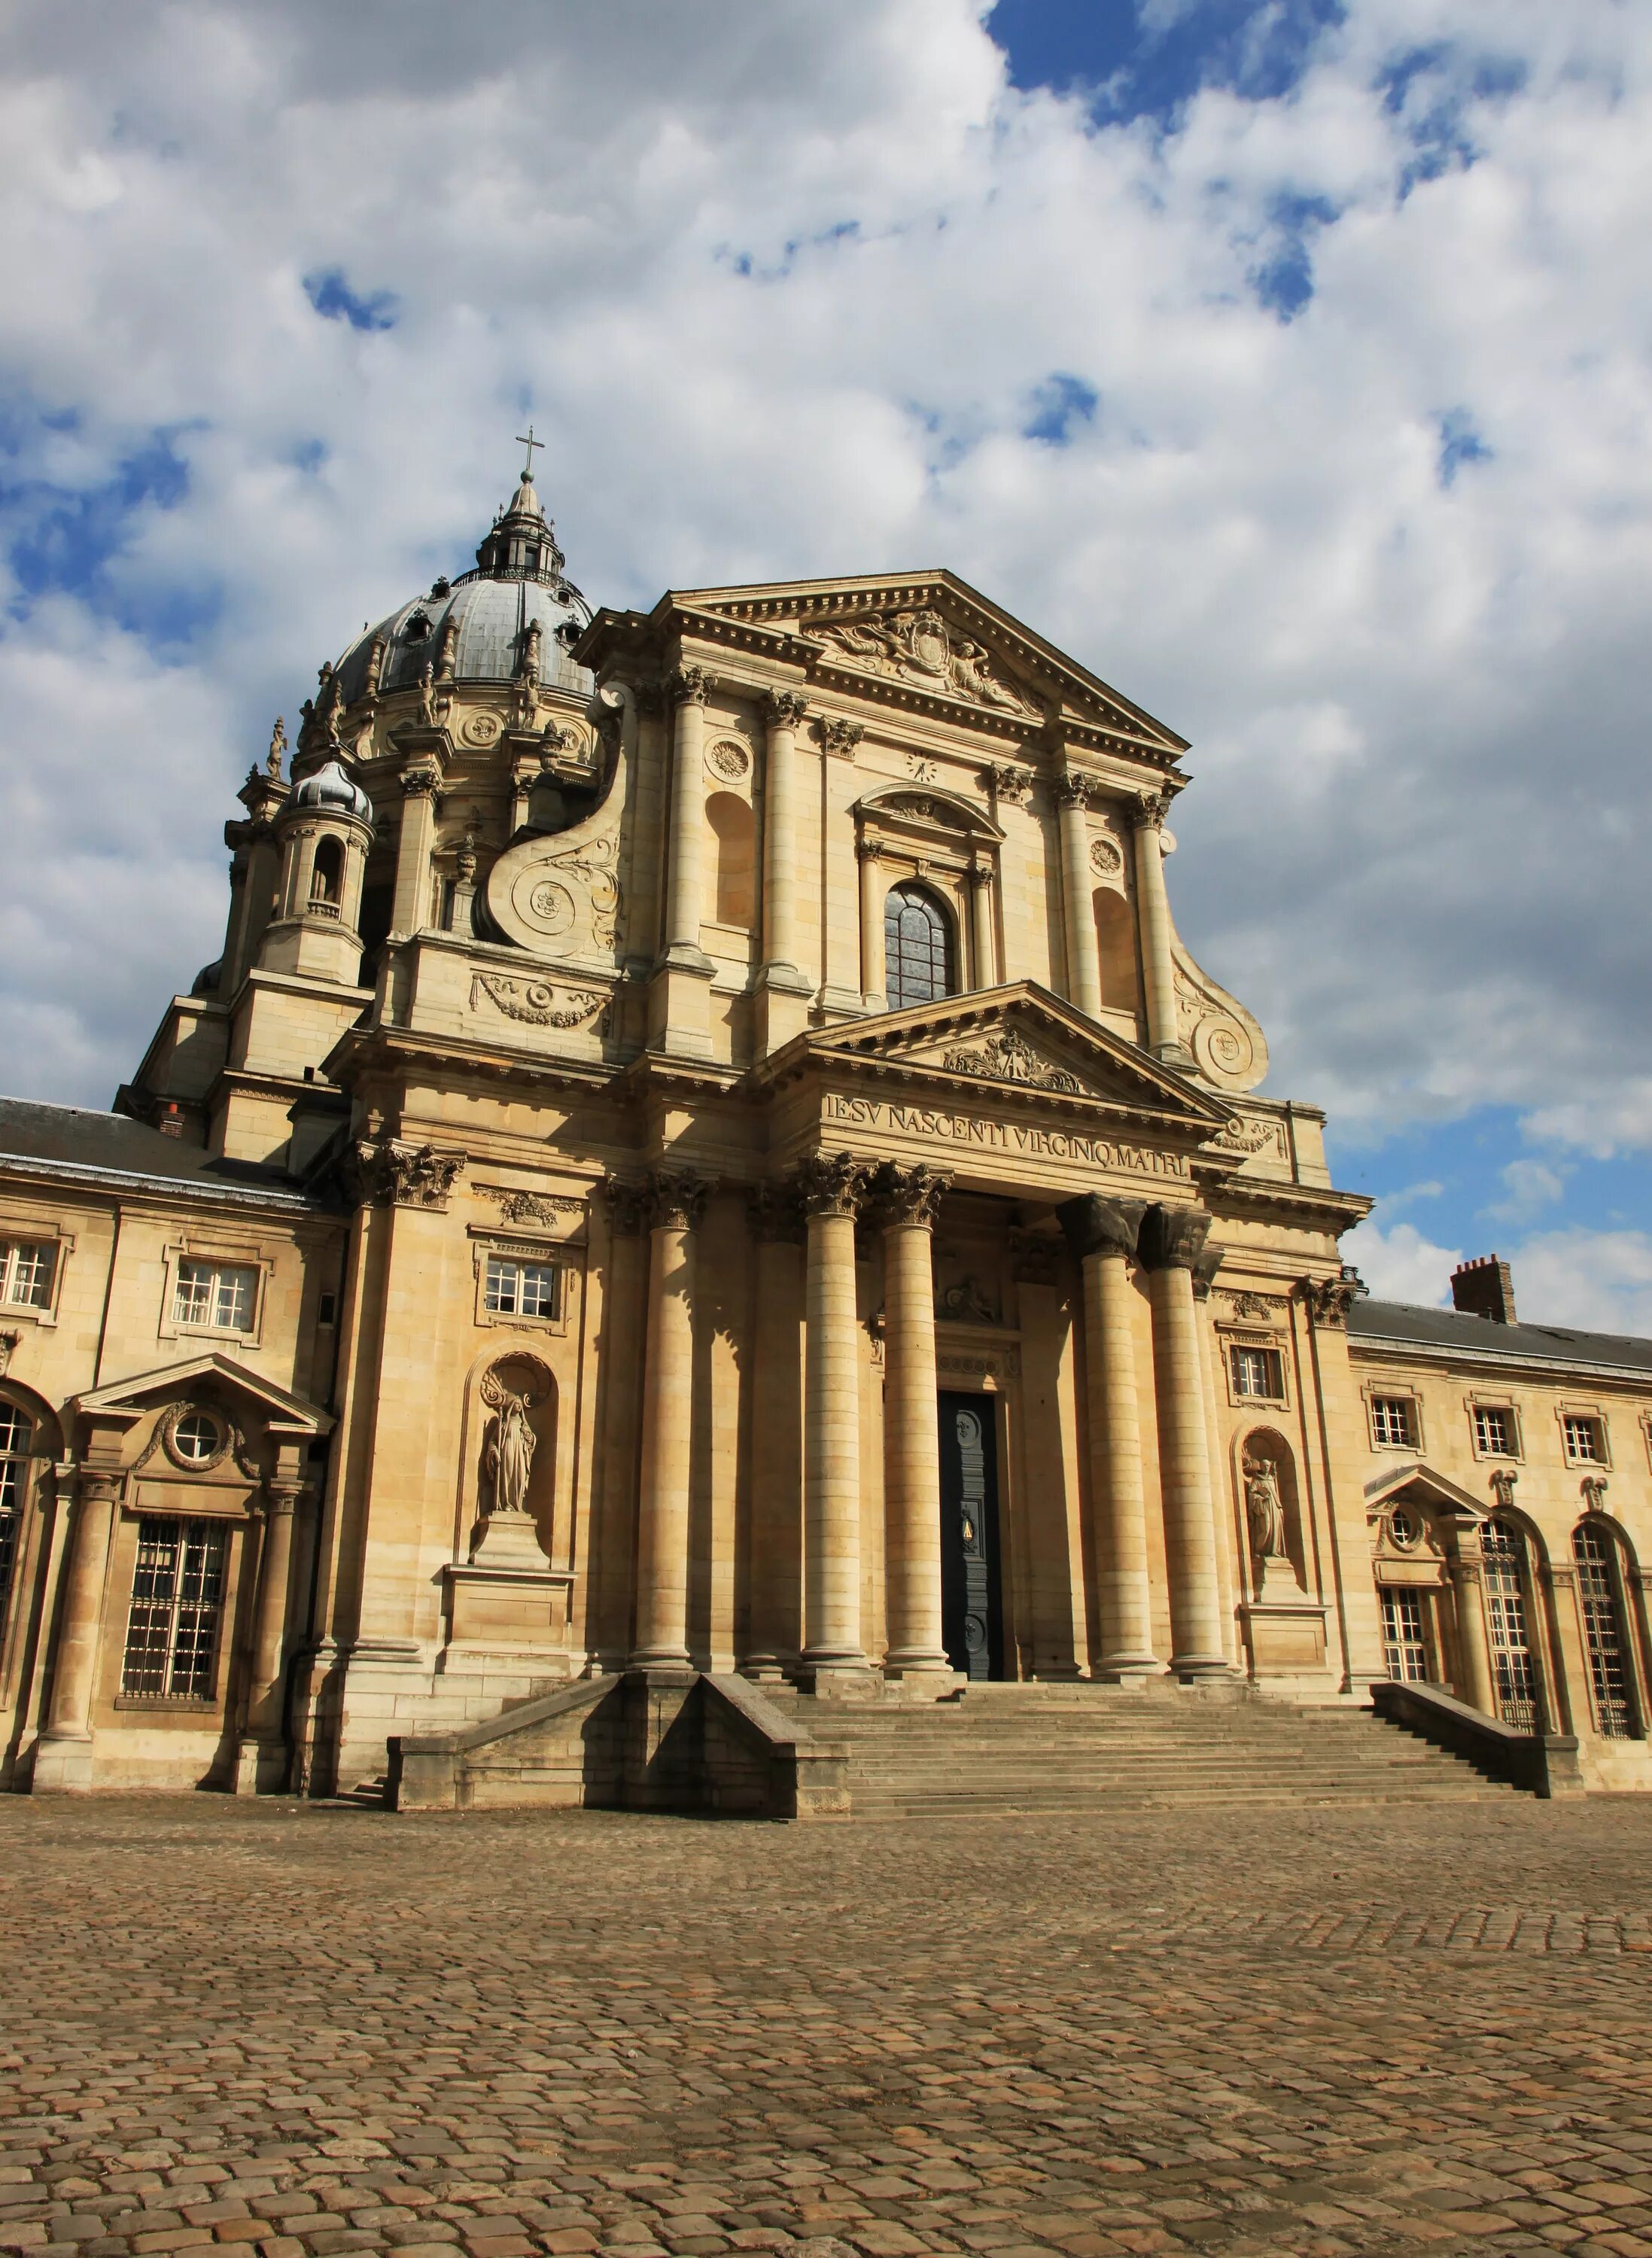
(1503, 1548)
(729, 819)
(1602, 1602)
(17, 1439)
(326, 875)
(917, 948)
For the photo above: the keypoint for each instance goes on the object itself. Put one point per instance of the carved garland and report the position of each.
(541, 1005)
(529, 1207)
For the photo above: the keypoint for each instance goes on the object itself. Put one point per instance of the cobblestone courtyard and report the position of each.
(315, 2029)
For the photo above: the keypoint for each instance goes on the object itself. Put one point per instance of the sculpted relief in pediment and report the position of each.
(1008, 1056)
(919, 647)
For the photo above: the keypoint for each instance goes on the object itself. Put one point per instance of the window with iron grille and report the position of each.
(172, 1635)
(1494, 1431)
(1257, 1372)
(27, 1266)
(521, 1289)
(1585, 1440)
(1393, 1421)
(17, 1439)
(1504, 1550)
(917, 948)
(1592, 1548)
(221, 1294)
(1405, 1650)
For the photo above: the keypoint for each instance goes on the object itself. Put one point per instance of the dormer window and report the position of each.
(417, 627)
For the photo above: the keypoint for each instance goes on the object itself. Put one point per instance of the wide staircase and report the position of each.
(1083, 1748)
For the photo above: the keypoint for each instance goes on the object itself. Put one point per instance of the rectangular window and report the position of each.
(27, 1267)
(1585, 1443)
(1257, 1372)
(1393, 1421)
(220, 1295)
(1494, 1431)
(521, 1289)
(1404, 1647)
(177, 1600)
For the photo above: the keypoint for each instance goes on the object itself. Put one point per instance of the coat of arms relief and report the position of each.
(920, 649)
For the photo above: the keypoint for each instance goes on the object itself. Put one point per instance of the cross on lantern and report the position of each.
(530, 442)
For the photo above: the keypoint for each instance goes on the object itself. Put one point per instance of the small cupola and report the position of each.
(325, 830)
(520, 545)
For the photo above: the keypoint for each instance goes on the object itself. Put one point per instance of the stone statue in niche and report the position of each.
(508, 1456)
(1265, 1509)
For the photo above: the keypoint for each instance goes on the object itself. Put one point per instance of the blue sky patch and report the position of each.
(335, 300)
(1284, 280)
(1459, 443)
(1260, 48)
(1058, 403)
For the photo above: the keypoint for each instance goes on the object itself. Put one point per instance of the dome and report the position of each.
(476, 629)
(331, 786)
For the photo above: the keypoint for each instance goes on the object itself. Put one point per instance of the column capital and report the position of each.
(1073, 789)
(1206, 1265)
(1149, 809)
(869, 850)
(651, 697)
(840, 737)
(831, 1183)
(1096, 1225)
(909, 1196)
(776, 1215)
(1173, 1237)
(1330, 1299)
(420, 780)
(978, 876)
(282, 1497)
(676, 1199)
(627, 1207)
(95, 1487)
(688, 686)
(784, 709)
(1010, 783)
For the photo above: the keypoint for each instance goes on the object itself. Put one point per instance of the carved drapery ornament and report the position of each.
(1009, 1057)
(1268, 1307)
(541, 1208)
(831, 1183)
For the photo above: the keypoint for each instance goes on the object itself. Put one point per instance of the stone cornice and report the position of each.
(1318, 1205)
(1372, 1348)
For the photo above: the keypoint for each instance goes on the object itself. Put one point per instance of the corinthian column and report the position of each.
(1102, 1233)
(64, 1757)
(1159, 968)
(910, 1198)
(1171, 1241)
(677, 1204)
(985, 948)
(683, 888)
(830, 1188)
(1083, 957)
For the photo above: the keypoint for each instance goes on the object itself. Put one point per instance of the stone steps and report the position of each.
(1076, 1748)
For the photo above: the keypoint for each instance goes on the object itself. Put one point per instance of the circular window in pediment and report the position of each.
(196, 1439)
(1405, 1528)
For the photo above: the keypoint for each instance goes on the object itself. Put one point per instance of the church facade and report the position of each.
(705, 1156)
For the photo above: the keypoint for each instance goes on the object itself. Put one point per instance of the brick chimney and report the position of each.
(1485, 1287)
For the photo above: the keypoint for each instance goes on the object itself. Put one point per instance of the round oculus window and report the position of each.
(1404, 1528)
(196, 1438)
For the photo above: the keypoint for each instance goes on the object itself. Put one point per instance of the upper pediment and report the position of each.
(927, 636)
(133, 1397)
(1016, 1039)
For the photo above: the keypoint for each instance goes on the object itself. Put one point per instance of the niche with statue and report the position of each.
(1284, 1625)
(507, 1604)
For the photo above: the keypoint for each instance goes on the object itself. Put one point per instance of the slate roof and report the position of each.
(67, 1141)
(1455, 1333)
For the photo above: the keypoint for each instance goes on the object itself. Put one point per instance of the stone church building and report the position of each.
(705, 1205)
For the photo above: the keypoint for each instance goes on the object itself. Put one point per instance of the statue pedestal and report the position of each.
(508, 1608)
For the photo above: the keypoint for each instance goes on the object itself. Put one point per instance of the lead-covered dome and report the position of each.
(479, 627)
(331, 785)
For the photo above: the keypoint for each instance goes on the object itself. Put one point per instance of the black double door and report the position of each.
(971, 1608)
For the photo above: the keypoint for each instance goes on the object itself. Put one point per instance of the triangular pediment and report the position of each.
(1421, 1485)
(136, 1395)
(1016, 1040)
(931, 635)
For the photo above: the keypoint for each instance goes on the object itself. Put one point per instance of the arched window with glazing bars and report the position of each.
(1503, 1548)
(1601, 1598)
(917, 948)
(17, 1440)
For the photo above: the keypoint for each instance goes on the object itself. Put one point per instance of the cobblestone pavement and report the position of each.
(315, 2030)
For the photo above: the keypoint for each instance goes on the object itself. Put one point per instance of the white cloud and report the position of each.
(1599, 1280)
(1400, 1265)
(1416, 713)
(1529, 1187)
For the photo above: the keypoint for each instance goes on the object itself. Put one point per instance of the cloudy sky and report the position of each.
(1288, 361)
